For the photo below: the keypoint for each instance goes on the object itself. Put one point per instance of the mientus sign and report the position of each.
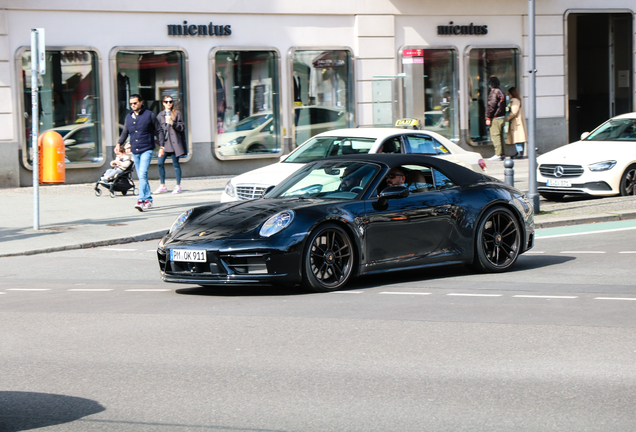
(186, 29)
(471, 29)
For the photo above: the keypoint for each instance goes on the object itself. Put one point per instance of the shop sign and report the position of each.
(413, 53)
(186, 29)
(463, 30)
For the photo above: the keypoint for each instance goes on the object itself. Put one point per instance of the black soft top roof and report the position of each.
(458, 174)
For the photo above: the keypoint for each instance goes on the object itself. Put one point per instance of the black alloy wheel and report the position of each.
(328, 260)
(498, 240)
(628, 181)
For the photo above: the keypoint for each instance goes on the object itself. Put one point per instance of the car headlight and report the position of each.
(229, 189)
(235, 141)
(602, 166)
(180, 220)
(277, 223)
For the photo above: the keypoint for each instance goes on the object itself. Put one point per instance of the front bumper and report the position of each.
(235, 264)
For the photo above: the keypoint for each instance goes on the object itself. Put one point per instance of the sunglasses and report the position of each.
(167, 101)
(134, 103)
(395, 175)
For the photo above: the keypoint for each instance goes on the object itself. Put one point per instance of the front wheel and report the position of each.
(328, 260)
(498, 240)
(628, 181)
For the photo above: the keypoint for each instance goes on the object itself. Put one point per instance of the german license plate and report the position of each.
(187, 255)
(559, 183)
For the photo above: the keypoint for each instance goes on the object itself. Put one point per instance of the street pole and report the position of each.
(35, 120)
(532, 110)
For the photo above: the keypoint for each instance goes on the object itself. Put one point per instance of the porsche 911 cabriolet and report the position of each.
(346, 216)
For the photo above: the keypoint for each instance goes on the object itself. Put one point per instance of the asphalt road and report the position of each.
(92, 340)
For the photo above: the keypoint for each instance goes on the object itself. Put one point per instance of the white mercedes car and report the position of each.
(254, 184)
(602, 163)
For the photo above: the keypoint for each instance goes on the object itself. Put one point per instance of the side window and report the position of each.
(421, 144)
(441, 181)
(419, 178)
(392, 145)
(440, 148)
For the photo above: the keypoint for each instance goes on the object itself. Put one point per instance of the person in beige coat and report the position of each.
(517, 131)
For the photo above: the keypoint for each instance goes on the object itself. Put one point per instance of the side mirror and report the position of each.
(393, 192)
(70, 142)
(584, 135)
(271, 130)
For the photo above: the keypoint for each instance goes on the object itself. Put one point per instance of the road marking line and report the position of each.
(406, 293)
(91, 289)
(2, 292)
(628, 252)
(144, 290)
(534, 252)
(546, 297)
(474, 295)
(120, 249)
(583, 252)
(28, 289)
(346, 292)
(583, 233)
(614, 298)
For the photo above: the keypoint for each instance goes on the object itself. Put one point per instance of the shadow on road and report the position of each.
(20, 411)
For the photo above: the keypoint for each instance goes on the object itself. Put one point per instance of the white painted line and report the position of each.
(144, 290)
(474, 295)
(628, 252)
(583, 252)
(91, 289)
(2, 292)
(614, 298)
(534, 252)
(345, 292)
(584, 233)
(546, 297)
(28, 289)
(405, 293)
(119, 249)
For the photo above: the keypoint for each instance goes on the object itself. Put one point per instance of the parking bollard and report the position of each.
(509, 172)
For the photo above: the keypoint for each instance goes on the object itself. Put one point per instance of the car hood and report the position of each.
(268, 175)
(239, 219)
(589, 152)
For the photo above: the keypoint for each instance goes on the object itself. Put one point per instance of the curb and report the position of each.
(583, 220)
(153, 235)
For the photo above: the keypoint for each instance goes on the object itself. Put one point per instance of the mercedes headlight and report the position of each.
(602, 166)
(229, 189)
(183, 217)
(277, 223)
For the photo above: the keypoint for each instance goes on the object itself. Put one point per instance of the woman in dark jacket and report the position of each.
(172, 123)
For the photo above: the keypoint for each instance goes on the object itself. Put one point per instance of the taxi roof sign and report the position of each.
(406, 122)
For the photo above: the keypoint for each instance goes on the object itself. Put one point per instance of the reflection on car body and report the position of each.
(311, 230)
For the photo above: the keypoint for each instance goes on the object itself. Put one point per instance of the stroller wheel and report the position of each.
(98, 192)
(112, 194)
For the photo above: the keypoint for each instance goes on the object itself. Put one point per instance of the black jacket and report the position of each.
(142, 129)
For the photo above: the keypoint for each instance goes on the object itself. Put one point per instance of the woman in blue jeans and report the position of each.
(171, 121)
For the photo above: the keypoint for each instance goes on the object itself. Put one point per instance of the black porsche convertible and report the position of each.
(346, 216)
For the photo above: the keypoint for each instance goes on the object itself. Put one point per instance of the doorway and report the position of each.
(600, 69)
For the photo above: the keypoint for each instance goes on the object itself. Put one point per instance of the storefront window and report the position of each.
(247, 100)
(69, 103)
(152, 75)
(484, 63)
(440, 88)
(322, 88)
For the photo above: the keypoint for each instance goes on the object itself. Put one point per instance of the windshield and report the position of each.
(321, 147)
(332, 180)
(615, 130)
(249, 123)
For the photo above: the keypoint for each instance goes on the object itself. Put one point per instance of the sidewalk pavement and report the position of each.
(72, 217)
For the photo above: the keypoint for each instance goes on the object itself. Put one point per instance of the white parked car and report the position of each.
(602, 163)
(253, 184)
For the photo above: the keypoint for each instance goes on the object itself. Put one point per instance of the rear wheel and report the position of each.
(112, 194)
(628, 181)
(498, 240)
(328, 260)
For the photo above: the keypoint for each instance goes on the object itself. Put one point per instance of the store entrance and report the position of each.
(599, 69)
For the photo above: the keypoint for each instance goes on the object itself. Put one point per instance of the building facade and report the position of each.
(253, 79)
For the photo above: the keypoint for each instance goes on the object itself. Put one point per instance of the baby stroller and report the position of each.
(122, 182)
